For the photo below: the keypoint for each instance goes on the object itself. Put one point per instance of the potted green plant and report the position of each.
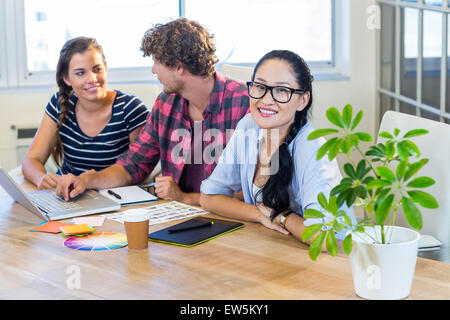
(385, 182)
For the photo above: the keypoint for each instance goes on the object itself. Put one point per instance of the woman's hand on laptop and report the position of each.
(70, 186)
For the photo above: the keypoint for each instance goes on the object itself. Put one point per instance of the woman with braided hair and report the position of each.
(85, 126)
(269, 157)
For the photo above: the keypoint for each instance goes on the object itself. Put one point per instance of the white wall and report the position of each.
(23, 107)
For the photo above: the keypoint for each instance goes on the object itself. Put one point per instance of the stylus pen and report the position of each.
(202, 225)
(114, 194)
(148, 185)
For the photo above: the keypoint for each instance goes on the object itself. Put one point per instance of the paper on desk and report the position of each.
(92, 221)
(129, 195)
(164, 212)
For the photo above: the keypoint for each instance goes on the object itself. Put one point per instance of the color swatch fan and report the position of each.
(97, 242)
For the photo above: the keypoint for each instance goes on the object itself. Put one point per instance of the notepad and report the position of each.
(130, 195)
(429, 243)
(192, 237)
(96, 221)
(76, 229)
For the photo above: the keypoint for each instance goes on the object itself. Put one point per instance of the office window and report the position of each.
(247, 29)
(244, 30)
(2, 46)
(414, 60)
(117, 25)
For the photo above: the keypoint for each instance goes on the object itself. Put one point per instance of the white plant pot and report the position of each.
(384, 271)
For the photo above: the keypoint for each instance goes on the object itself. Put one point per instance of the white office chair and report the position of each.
(237, 72)
(434, 146)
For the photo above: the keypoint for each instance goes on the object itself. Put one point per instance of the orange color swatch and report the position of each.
(50, 226)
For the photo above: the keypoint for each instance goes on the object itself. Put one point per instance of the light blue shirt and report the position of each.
(236, 168)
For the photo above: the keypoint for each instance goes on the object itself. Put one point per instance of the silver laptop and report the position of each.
(48, 206)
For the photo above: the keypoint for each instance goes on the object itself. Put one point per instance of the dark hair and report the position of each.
(184, 41)
(70, 48)
(275, 192)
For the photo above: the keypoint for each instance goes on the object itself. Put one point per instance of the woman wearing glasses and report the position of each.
(269, 157)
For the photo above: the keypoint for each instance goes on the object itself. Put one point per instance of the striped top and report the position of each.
(82, 152)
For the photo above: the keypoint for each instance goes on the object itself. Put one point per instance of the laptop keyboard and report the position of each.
(48, 201)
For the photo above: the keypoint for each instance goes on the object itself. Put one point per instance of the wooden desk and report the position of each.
(250, 263)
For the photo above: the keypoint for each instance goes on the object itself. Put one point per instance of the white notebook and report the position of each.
(428, 243)
(128, 196)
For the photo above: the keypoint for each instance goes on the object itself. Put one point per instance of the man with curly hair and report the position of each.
(190, 122)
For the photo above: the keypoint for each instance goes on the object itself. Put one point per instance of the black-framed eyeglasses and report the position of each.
(280, 94)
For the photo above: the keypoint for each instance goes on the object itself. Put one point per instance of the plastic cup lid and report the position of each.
(136, 215)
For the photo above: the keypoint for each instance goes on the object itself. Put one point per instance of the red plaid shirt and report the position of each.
(167, 134)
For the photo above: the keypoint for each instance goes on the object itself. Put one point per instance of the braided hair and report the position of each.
(275, 192)
(70, 48)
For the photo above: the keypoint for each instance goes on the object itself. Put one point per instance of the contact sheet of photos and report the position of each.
(164, 212)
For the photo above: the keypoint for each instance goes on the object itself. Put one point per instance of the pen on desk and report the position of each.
(202, 225)
(148, 185)
(114, 194)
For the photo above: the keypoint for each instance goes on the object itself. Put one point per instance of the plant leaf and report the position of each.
(415, 133)
(325, 147)
(310, 231)
(378, 183)
(340, 187)
(421, 182)
(376, 151)
(403, 150)
(401, 169)
(346, 145)
(312, 214)
(385, 173)
(356, 120)
(363, 136)
(347, 115)
(414, 168)
(316, 246)
(390, 149)
(360, 169)
(335, 118)
(425, 199)
(347, 244)
(334, 149)
(331, 243)
(322, 201)
(368, 179)
(383, 209)
(347, 220)
(342, 196)
(412, 148)
(320, 133)
(412, 213)
(332, 206)
(386, 135)
(351, 197)
(349, 170)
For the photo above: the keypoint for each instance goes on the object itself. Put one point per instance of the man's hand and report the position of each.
(70, 186)
(167, 188)
(48, 181)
